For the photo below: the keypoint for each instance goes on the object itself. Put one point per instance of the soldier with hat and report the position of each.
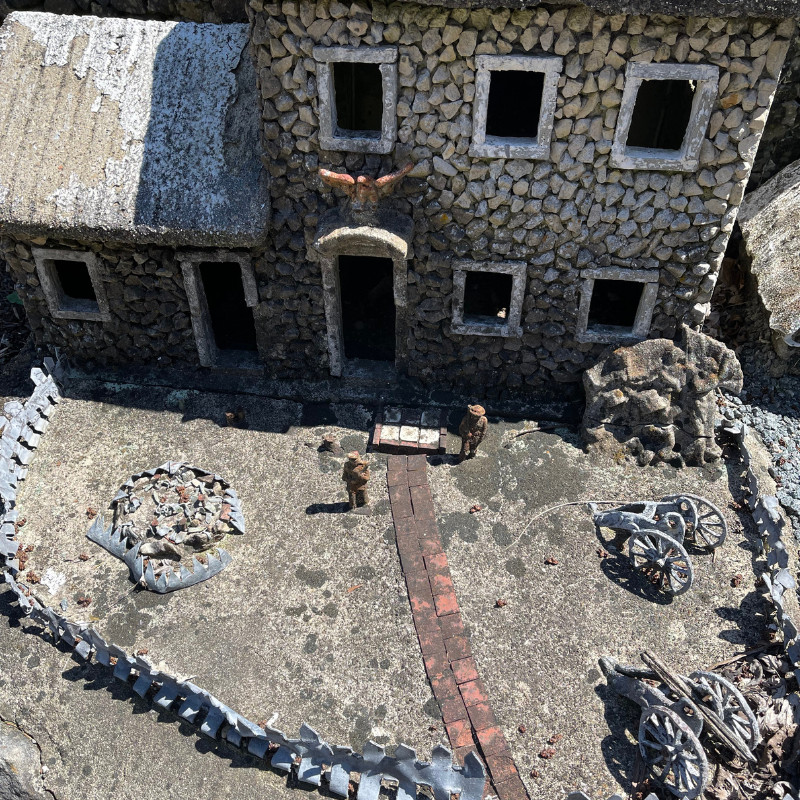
(356, 474)
(472, 430)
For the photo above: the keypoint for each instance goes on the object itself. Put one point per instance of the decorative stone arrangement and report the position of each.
(655, 401)
(409, 431)
(166, 516)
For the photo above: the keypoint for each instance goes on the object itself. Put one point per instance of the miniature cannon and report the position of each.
(657, 530)
(674, 709)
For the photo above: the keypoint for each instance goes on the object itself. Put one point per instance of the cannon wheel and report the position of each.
(672, 752)
(728, 704)
(703, 519)
(664, 557)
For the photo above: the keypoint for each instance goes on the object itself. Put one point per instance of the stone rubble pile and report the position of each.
(166, 517)
(657, 401)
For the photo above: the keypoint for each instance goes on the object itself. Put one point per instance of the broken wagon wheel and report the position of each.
(672, 752)
(728, 704)
(663, 557)
(708, 526)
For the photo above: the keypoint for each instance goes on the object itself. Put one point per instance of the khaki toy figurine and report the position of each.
(356, 474)
(472, 430)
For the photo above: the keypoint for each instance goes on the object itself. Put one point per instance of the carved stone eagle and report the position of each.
(363, 190)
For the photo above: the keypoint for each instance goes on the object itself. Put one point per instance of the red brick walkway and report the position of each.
(468, 718)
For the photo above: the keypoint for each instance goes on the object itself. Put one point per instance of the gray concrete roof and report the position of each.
(770, 222)
(129, 130)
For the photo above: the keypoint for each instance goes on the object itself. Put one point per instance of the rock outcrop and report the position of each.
(655, 400)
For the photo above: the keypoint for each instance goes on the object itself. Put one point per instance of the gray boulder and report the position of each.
(20, 766)
(655, 400)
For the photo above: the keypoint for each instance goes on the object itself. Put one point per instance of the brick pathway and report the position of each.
(468, 718)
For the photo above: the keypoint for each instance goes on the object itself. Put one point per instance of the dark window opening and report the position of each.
(368, 315)
(661, 114)
(487, 297)
(75, 281)
(615, 303)
(515, 100)
(358, 89)
(231, 318)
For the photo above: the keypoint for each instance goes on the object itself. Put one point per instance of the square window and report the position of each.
(487, 298)
(664, 116)
(357, 91)
(505, 115)
(71, 284)
(515, 103)
(75, 283)
(616, 305)
(661, 114)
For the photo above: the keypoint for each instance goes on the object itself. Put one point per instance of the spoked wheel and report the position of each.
(672, 752)
(728, 704)
(704, 521)
(663, 558)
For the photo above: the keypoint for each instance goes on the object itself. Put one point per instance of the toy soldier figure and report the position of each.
(356, 474)
(472, 430)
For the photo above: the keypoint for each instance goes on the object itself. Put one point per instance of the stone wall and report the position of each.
(561, 216)
(150, 322)
(780, 144)
(184, 10)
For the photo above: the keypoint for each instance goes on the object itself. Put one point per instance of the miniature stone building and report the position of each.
(576, 176)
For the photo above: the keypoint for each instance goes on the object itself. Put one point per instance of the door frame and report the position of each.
(208, 352)
(371, 242)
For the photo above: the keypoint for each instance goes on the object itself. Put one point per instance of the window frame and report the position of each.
(610, 334)
(386, 59)
(507, 146)
(687, 158)
(57, 301)
(511, 327)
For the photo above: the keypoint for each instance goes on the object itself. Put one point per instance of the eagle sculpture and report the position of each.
(363, 190)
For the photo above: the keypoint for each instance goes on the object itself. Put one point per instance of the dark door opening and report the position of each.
(231, 318)
(368, 314)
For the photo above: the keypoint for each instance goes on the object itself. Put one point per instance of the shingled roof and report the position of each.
(128, 130)
(770, 222)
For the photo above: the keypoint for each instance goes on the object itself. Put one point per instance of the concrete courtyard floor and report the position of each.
(311, 620)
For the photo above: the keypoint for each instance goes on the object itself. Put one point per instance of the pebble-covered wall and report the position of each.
(561, 215)
(780, 144)
(150, 322)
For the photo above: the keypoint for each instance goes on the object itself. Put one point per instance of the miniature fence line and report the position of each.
(311, 759)
(771, 526)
